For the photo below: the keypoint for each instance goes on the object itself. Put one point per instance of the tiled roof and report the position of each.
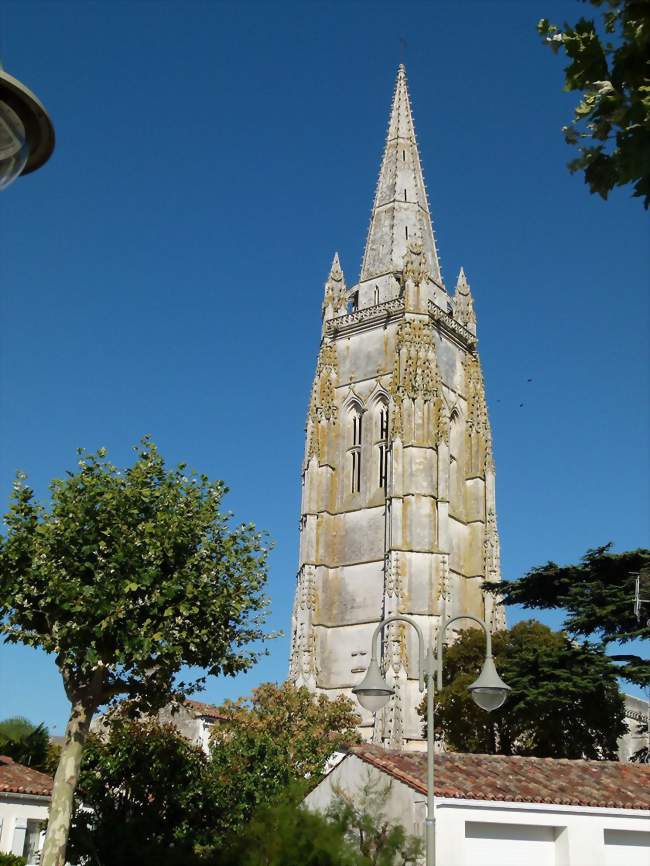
(528, 780)
(210, 711)
(18, 779)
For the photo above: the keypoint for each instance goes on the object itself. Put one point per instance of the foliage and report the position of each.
(564, 703)
(126, 577)
(362, 819)
(608, 62)
(143, 787)
(597, 594)
(11, 860)
(282, 735)
(25, 742)
(287, 834)
(353, 832)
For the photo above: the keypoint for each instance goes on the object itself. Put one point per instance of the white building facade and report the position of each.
(500, 811)
(398, 507)
(24, 806)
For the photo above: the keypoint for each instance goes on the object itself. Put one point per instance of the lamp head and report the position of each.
(489, 691)
(373, 691)
(26, 131)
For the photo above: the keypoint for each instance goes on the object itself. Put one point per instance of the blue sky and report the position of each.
(163, 273)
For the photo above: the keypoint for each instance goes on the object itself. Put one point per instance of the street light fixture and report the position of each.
(488, 692)
(26, 131)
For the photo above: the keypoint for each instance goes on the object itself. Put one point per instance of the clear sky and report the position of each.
(163, 274)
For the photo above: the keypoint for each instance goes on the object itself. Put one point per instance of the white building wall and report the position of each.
(488, 833)
(15, 811)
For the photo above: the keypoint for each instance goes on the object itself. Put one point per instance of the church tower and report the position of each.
(398, 508)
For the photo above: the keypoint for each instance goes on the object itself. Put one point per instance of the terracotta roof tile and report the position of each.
(529, 780)
(18, 779)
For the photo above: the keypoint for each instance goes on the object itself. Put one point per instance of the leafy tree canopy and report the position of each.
(363, 820)
(608, 63)
(126, 576)
(280, 736)
(25, 742)
(143, 787)
(597, 595)
(11, 860)
(564, 703)
(286, 834)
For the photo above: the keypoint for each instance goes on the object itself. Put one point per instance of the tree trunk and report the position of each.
(65, 782)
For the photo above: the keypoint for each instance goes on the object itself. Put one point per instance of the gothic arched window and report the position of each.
(354, 450)
(382, 444)
(456, 464)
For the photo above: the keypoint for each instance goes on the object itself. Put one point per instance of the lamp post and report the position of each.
(26, 131)
(488, 692)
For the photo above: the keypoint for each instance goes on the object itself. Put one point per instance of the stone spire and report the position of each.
(463, 303)
(400, 213)
(335, 298)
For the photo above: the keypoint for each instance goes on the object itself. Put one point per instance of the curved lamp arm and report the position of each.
(399, 618)
(441, 633)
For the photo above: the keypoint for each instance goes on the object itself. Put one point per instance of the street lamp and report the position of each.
(26, 131)
(488, 692)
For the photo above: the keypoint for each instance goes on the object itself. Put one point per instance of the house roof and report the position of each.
(210, 711)
(18, 779)
(528, 780)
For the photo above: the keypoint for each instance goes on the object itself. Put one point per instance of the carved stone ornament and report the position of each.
(415, 263)
(491, 552)
(302, 665)
(477, 415)
(335, 290)
(366, 315)
(441, 420)
(307, 587)
(462, 303)
(446, 322)
(322, 406)
(415, 373)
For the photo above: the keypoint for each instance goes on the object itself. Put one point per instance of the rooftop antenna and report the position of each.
(403, 45)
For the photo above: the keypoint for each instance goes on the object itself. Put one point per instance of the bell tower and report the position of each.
(398, 503)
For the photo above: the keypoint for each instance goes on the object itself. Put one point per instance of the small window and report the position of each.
(383, 465)
(356, 471)
(376, 295)
(33, 841)
(383, 424)
(354, 302)
(406, 232)
(404, 195)
(356, 430)
(403, 156)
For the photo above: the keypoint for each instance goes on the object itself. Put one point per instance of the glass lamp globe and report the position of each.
(373, 692)
(489, 692)
(26, 131)
(14, 149)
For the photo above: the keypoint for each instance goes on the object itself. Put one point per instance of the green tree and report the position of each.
(353, 832)
(126, 577)
(25, 742)
(597, 595)
(142, 787)
(608, 64)
(11, 860)
(564, 703)
(363, 821)
(280, 736)
(286, 834)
